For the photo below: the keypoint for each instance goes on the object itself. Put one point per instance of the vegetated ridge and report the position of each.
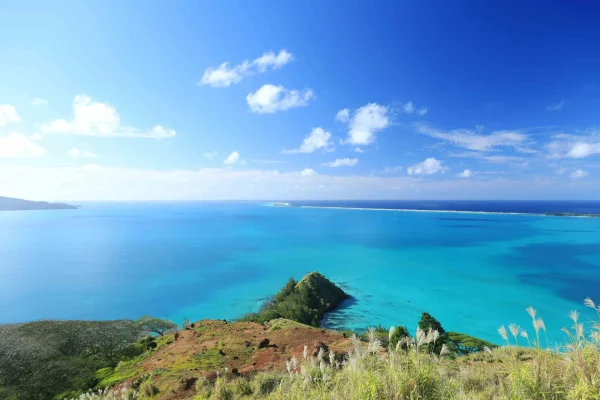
(12, 204)
(267, 356)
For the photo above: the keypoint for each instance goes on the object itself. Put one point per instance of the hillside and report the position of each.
(11, 204)
(284, 359)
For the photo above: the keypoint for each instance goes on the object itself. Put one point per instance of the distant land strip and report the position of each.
(543, 214)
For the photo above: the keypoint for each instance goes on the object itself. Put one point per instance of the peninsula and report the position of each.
(12, 204)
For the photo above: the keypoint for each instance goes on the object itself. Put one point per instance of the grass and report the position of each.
(521, 369)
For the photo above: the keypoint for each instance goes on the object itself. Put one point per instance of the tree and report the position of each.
(428, 322)
(156, 325)
(399, 333)
(462, 344)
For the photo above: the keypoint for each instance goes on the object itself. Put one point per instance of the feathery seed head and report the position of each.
(590, 303)
(320, 354)
(574, 315)
(514, 329)
(444, 350)
(391, 333)
(503, 333)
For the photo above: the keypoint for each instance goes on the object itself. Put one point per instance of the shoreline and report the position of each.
(566, 215)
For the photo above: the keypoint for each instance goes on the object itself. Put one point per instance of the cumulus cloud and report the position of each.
(343, 115)
(467, 173)
(470, 140)
(225, 75)
(8, 114)
(578, 174)
(428, 167)
(92, 118)
(37, 137)
(317, 139)
(232, 158)
(38, 101)
(76, 153)
(270, 99)
(556, 106)
(358, 150)
(342, 162)
(308, 172)
(574, 146)
(410, 108)
(365, 122)
(16, 145)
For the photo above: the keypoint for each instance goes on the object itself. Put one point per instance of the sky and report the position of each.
(283, 100)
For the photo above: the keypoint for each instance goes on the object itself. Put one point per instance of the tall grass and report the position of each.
(522, 369)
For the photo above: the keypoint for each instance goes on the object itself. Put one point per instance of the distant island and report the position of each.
(12, 204)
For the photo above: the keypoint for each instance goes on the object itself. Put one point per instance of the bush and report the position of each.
(42, 359)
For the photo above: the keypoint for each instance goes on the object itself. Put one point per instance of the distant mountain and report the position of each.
(8, 204)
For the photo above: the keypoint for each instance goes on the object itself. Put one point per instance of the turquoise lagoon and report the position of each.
(198, 260)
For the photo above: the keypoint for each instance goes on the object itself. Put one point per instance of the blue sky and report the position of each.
(133, 100)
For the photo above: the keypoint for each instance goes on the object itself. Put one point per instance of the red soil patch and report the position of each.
(238, 344)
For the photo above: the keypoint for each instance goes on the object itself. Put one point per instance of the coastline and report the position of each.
(567, 215)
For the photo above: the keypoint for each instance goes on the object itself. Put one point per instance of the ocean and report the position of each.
(472, 271)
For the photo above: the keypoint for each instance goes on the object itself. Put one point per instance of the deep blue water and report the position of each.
(220, 260)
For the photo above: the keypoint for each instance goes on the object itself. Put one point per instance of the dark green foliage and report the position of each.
(156, 325)
(42, 359)
(399, 333)
(461, 344)
(458, 343)
(305, 301)
(428, 322)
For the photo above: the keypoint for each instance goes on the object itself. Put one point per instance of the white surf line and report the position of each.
(432, 211)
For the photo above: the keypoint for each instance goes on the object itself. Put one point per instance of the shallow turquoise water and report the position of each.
(220, 260)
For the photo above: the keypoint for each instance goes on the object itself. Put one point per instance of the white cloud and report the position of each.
(76, 153)
(366, 122)
(308, 172)
(343, 115)
(467, 173)
(497, 159)
(270, 99)
(232, 158)
(224, 75)
(342, 162)
(37, 137)
(16, 145)
(358, 150)
(8, 114)
(428, 167)
(93, 118)
(470, 140)
(577, 174)
(317, 139)
(96, 182)
(210, 154)
(392, 170)
(410, 108)
(574, 146)
(270, 59)
(556, 106)
(39, 102)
